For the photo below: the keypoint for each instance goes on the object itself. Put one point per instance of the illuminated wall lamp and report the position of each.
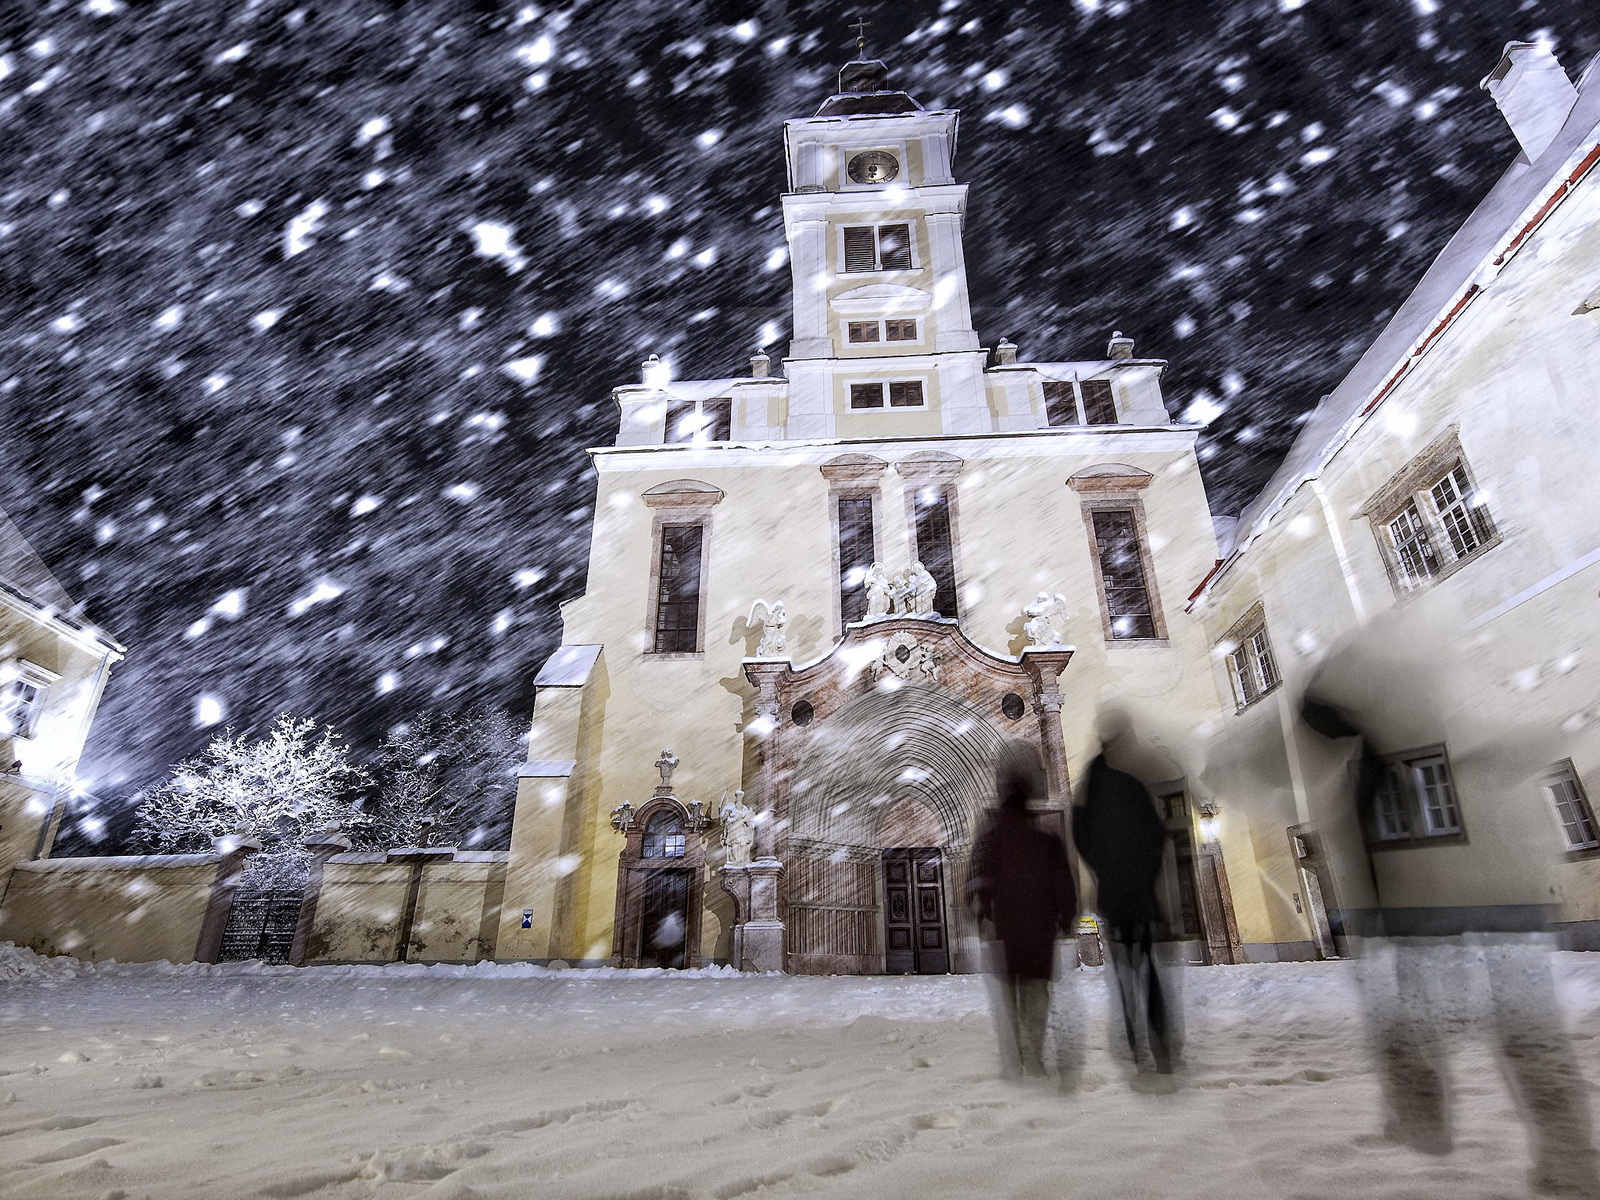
(1210, 823)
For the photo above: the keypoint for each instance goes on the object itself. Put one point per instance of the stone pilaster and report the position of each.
(1044, 666)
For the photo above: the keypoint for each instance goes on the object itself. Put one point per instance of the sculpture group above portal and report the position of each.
(1047, 618)
(907, 658)
(772, 617)
(905, 593)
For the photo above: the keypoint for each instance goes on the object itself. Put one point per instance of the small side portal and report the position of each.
(916, 941)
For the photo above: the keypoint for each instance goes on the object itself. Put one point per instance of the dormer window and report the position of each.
(1089, 402)
(878, 247)
(692, 421)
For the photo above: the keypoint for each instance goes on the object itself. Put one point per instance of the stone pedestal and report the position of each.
(758, 934)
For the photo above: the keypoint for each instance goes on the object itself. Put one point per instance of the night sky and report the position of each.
(308, 310)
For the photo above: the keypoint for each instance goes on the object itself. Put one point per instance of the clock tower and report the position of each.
(873, 218)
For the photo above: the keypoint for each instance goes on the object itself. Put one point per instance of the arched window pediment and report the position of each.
(879, 299)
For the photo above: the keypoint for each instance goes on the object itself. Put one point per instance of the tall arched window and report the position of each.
(663, 836)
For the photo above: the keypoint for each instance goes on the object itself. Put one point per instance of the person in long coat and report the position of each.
(1021, 886)
(1122, 838)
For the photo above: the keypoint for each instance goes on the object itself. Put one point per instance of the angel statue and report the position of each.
(1046, 617)
(923, 587)
(879, 592)
(772, 618)
(738, 828)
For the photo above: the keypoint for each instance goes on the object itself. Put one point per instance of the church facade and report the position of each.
(836, 589)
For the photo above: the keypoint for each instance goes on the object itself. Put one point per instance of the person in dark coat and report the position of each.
(1021, 886)
(1122, 838)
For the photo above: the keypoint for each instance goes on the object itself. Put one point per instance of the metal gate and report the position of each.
(261, 925)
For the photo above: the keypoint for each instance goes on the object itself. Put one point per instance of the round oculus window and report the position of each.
(873, 166)
(1012, 706)
(802, 712)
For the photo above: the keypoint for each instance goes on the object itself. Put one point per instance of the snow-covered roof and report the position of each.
(1520, 197)
(25, 571)
(569, 666)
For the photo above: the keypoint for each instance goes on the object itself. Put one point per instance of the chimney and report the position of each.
(760, 364)
(1533, 94)
(1119, 346)
(655, 373)
(1005, 354)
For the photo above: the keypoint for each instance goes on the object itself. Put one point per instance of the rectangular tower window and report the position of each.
(677, 619)
(863, 331)
(1127, 593)
(877, 247)
(1060, 404)
(905, 393)
(1099, 408)
(936, 547)
(857, 552)
(900, 331)
(866, 395)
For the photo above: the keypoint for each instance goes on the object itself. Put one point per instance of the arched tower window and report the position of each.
(663, 836)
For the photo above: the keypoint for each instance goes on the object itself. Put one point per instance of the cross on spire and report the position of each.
(861, 28)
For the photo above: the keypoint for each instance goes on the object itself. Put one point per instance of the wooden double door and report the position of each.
(916, 940)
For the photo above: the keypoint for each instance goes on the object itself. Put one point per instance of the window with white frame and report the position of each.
(885, 247)
(1431, 517)
(1416, 800)
(898, 393)
(1571, 807)
(892, 329)
(691, 421)
(1252, 669)
(21, 700)
(1088, 402)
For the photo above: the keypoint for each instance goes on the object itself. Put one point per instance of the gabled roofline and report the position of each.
(1484, 245)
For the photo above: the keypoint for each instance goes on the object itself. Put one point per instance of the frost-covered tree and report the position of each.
(295, 782)
(458, 770)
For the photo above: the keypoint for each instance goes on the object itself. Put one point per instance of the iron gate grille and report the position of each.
(261, 925)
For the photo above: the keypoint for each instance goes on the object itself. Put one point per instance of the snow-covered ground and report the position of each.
(123, 1082)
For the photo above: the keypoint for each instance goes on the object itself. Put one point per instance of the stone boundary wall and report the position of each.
(175, 906)
(363, 903)
(132, 909)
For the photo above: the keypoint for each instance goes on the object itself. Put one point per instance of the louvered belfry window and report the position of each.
(877, 247)
(857, 552)
(677, 628)
(936, 546)
(860, 248)
(1116, 537)
(1099, 407)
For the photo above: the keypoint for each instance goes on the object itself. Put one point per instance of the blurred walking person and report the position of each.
(1122, 838)
(1022, 889)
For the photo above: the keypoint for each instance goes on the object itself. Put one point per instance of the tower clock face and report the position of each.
(873, 166)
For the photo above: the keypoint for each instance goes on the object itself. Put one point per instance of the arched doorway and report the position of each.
(660, 888)
(884, 806)
(883, 753)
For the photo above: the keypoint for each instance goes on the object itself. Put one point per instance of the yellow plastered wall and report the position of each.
(1019, 528)
(362, 902)
(95, 909)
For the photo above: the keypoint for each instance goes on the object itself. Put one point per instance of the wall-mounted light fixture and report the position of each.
(1210, 822)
